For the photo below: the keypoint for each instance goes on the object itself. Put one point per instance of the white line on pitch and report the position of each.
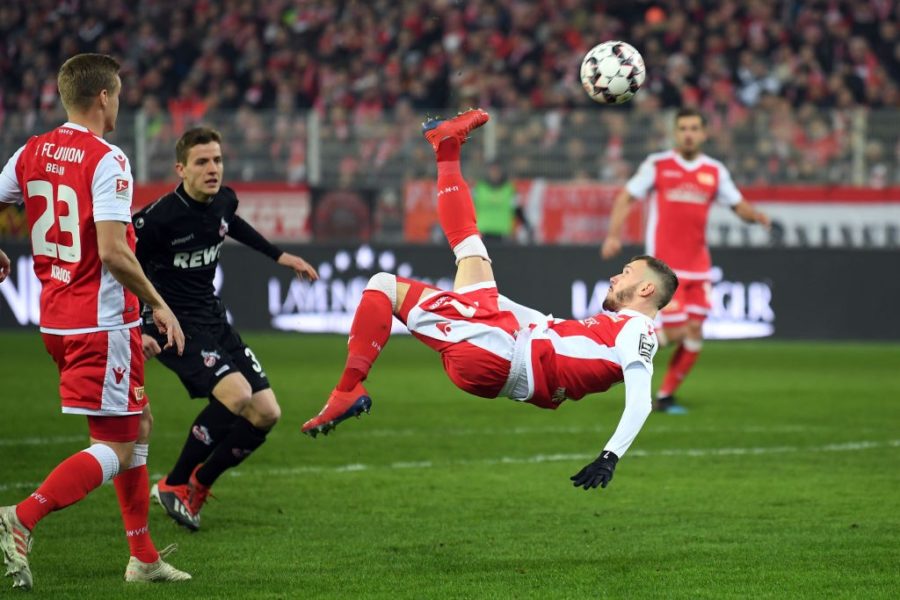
(456, 432)
(543, 458)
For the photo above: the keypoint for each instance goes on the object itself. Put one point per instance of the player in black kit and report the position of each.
(179, 240)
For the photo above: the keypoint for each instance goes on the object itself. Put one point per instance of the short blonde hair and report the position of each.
(83, 77)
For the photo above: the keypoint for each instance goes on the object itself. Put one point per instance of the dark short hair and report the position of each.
(83, 77)
(667, 278)
(690, 112)
(194, 137)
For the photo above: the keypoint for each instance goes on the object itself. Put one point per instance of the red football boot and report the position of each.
(175, 499)
(340, 406)
(437, 129)
(198, 493)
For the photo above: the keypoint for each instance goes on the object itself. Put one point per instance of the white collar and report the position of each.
(75, 126)
(630, 312)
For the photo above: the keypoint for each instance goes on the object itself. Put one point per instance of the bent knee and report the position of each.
(386, 283)
(263, 415)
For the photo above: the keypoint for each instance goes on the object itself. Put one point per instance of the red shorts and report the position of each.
(100, 373)
(692, 300)
(475, 338)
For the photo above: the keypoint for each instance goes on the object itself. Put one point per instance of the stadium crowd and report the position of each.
(778, 80)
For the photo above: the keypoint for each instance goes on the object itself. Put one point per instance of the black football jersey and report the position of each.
(178, 245)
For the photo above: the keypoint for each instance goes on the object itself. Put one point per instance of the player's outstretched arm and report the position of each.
(600, 472)
(116, 255)
(638, 405)
(300, 266)
(749, 214)
(5, 266)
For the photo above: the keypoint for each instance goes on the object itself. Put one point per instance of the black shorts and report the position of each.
(211, 352)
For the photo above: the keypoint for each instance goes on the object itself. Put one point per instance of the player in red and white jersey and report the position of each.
(77, 193)
(493, 347)
(680, 186)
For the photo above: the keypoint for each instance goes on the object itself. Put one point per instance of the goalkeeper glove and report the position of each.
(599, 472)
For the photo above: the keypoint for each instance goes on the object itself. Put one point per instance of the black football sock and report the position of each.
(243, 439)
(210, 428)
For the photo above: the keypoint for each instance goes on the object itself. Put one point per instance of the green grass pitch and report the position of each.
(782, 482)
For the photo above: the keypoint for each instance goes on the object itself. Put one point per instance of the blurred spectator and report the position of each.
(497, 206)
(753, 67)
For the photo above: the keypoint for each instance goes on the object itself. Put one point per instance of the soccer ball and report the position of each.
(612, 72)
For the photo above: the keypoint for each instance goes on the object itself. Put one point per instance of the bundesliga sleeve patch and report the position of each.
(123, 190)
(645, 347)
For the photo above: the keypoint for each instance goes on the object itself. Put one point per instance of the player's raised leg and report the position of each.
(385, 295)
(456, 212)
(369, 333)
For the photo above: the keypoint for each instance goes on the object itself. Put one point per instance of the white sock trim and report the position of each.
(107, 458)
(139, 456)
(471, 246)
(692, 345)
(385, 283)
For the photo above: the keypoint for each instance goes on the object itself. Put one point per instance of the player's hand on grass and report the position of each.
(300, 266)
(4, 266)
(150, 346)
(169, 326)
(599, 472)
(611, 247)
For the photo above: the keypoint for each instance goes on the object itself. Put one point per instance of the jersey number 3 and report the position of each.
(41, 245)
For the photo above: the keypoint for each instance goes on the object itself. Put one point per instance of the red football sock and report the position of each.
(369, 332)
(680, 365)
(456, 212)
(69, 482)
(133, 490)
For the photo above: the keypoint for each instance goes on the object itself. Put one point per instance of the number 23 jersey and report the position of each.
(69, 179)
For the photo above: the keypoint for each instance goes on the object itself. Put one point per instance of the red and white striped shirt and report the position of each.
(683, 192)
(69, 179)
(568, 359)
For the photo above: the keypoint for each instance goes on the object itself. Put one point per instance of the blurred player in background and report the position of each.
(179, 240)
(492, 347)
(77, 191)
(685, 183)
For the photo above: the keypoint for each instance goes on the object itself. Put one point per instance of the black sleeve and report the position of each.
(144, 238)
(243, 232)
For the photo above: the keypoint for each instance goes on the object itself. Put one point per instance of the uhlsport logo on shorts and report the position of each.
(210, 357)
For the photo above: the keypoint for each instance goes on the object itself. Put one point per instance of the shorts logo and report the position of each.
(438, 303)
(202, 434)
(444, 327)
(558, 396)
(210, 358)
(139, 393)
(118, 373)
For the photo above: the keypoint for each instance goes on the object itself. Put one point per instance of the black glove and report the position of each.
(599, 472)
